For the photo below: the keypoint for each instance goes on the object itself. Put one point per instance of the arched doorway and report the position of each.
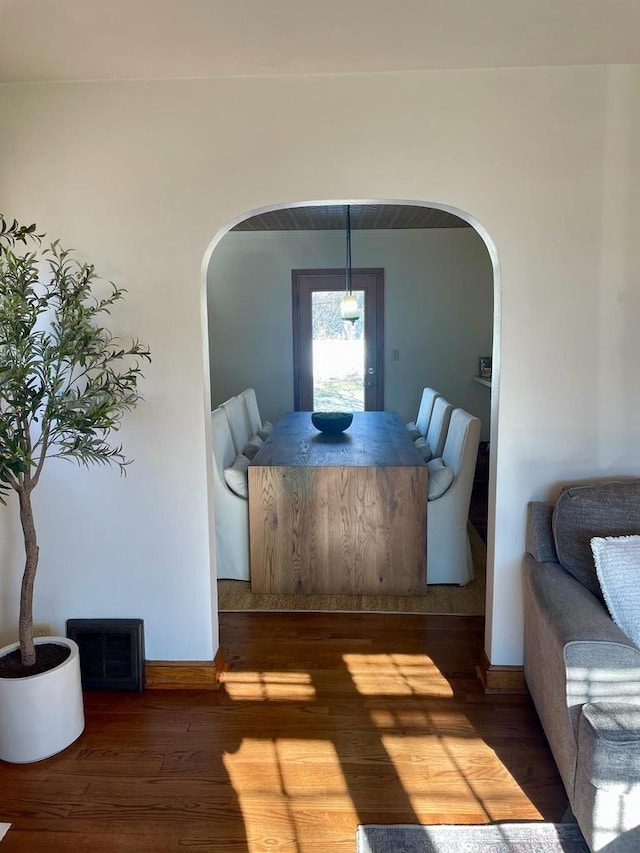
(246, 304)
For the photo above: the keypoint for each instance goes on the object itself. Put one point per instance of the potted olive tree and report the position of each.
(65, 383)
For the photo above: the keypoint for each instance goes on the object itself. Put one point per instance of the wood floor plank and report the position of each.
(45, 841)
(324, 721)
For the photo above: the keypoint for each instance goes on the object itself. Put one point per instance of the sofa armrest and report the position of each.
(574, 654)
(609, 745)
(602, 670)
(575, 613)
(601, 662)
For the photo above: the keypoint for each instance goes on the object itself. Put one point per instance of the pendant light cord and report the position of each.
(349, 277)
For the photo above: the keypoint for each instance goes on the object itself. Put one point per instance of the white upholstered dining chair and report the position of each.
(230, 511)
(255, 424)
(448, 549)
(432, 446)
(234, 409)
(419, 427)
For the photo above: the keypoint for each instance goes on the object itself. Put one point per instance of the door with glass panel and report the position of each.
(337, 364)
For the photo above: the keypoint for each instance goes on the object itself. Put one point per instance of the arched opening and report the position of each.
(244, 305)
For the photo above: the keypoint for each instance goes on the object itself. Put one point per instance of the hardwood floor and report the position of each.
(325, 721)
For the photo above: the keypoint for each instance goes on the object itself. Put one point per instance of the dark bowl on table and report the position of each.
(331, 423)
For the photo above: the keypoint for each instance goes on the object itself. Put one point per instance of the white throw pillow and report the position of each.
(413, 430)
(440, 478)
(423, 447)
(617, 560)
(252, 446)
(237, 477)
(265, 430)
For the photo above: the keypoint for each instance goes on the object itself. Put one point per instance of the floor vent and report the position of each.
(111, 652)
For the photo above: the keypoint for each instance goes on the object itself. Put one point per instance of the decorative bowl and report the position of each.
(331, 423)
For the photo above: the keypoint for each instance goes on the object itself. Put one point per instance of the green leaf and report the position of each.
(65, 381)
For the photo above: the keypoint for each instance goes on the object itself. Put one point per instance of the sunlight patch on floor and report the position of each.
(298, 800)
(260, 686)
(396, 675)
(285, 759)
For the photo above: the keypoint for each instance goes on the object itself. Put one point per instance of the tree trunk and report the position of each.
(25, 624)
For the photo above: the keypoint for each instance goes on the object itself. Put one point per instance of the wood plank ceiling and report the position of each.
(363, 216)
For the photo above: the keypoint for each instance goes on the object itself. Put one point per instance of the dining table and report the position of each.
(338, 514)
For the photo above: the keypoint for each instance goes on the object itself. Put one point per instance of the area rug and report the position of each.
(480, 838)
(449, 599)
(3, 829)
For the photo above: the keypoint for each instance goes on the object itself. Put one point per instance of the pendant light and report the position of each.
(349, 304)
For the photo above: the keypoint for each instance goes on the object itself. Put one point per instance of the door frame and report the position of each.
(374, 353)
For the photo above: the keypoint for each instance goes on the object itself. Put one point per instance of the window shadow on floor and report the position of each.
(361, 718)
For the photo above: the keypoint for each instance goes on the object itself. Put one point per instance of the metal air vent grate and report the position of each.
(111, 652)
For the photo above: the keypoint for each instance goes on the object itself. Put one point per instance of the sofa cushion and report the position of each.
(252, 446)
(265, 430)
(440, 478)
(617, 560)
(423, 447)
(413, 430)
(237, 476)
(596, 509)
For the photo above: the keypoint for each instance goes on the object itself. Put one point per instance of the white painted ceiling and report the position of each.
(49, 40)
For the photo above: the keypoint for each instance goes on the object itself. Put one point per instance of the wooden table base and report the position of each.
(340, 529)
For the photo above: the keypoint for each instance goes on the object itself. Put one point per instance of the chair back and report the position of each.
(425, 410)
(234, 409)
(224, 451)
(461, 447)
(252, 412)
(438, 426)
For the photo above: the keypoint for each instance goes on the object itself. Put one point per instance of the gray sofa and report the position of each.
(582, 670)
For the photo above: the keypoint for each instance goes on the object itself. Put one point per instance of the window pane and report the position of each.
(338, 354)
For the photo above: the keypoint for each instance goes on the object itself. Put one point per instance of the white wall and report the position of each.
(141, 176)
(438, 307)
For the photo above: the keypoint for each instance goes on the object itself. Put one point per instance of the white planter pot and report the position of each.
(42, 714)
